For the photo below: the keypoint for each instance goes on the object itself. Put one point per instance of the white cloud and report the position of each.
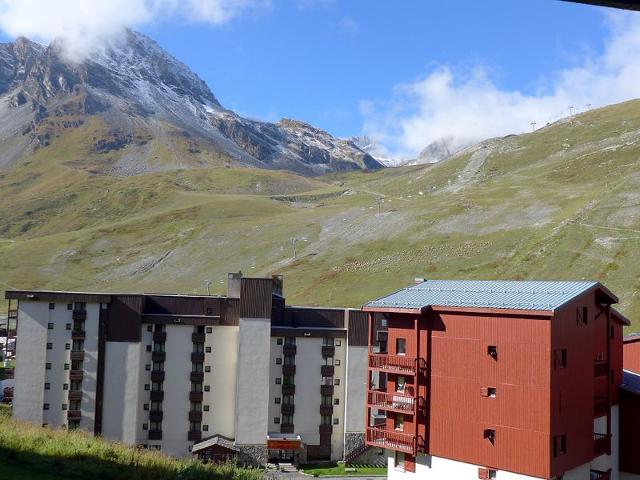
(84, 23)
(467, 106)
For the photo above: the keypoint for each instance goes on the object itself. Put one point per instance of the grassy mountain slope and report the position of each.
(562, 202)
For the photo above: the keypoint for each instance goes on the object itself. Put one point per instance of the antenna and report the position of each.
(588, 105)
(571, 110)
(533, 126)
(208, 285)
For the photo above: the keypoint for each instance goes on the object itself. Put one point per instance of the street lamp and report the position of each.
(293, 244)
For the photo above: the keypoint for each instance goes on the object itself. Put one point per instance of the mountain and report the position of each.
(562, 202)
(136, 109)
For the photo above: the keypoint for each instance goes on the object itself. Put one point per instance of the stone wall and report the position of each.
(252, 455)
(352, 441)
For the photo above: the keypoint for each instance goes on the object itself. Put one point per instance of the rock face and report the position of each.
(142, 94)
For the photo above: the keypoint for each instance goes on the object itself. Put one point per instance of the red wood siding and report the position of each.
(632, 356)
(629, 432)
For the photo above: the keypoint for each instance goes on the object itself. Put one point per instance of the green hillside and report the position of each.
(560, 203)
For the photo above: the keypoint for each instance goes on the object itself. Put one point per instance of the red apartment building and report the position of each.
(497, 379)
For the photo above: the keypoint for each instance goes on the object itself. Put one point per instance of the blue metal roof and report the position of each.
(631, 381)
(515, 295)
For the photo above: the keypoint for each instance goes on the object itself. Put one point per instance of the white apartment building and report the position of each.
(243, 375)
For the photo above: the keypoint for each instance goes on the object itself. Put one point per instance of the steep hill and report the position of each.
(562, 202)
(131, 108)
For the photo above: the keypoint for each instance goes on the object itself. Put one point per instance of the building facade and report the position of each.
(506, 380)
(243, 375)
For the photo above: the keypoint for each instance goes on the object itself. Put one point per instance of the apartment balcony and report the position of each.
(160, 337)
(194, 436)
(601, 443)
(155, 415)
(12, 332)
(79, 315)
(286, 428)
(3, 332)
(288, 389)
(197, 377)
(157, 376)
(76, 374)
(599, 475)
(288, 369)
(392, 440)
(326, 390)
(196, 397)
(600, 407)
(601, 369)
(328, 351)
(9, 373)
(75, 395)
(197, 357)
(158, 356)
(287, 408)
(289, 350)
(77, 355)
(393, 402)
(78, 334)
(195, 416)
(326, 410)
(198, 337)
(392, 363)
(13, 314)
(155, 434)
(156, 396)
(74, 414)
(325, 429)
(327, 370)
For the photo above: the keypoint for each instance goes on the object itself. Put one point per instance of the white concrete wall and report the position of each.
(28, 395)
(629, 476)
(308, 380)
(275, 390)
(90, 364)
(252, 387)
(177, 385)
(222, 379)
(339, 392)
(122, 411)
(356, 389)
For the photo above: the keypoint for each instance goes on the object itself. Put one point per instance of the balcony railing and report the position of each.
(401, 442)
(160, 337)
(598, 475)
(325, 429)
(289, 350)
(197, 357)
(75, 395)
(155, 434)
(326, 390)
(288, 389)
(195, 416)
(158, 356)
(198, 337)
(326, 410)
(194, 435)
(328, 351)
(327, 370)
(392, 363)
(286, 428)
(156, 415)
(288, 369)
(600, 444)
(157, 376)
(395, 401)
(197, 377)
(13, 314)
(80, 315)
(78, 334)
(156, 396)
(196, 397)
(77, 355)
(74, 414)
(76, 374)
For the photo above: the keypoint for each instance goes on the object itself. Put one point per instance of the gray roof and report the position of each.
(631, 382)
(215, 440)
(515, 295)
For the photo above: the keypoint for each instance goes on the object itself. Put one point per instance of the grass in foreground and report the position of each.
(46, 454)
(339, 469)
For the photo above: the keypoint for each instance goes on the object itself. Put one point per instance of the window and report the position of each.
(158, 366)
(197, 367)
(398, 423)
(196, 387)
(336, 382)
(278, 341)
(277, 400)
(276, 420)
(147, 367)
(156, 386)
(159, 327)
(327, 342)
(399, 460)
(401, 346)
(76, 384)
(49, 346)
(278, 380)
(65, 386)
(287, 399)
(200, 329)
(76, 364)
(207, 388)
(278, 361)
(80, 306)
(336, 401)
(490, 435)
(205, 428)
(207, 349)
(209, 311)
(326, 420)
(47, 366)
(156, 406)
(67, 326)
(207, 369)
(52, 306)
(66, 366)
(64, 406)
(149, 328)
(559, 445)
(206, 408)
(287, 419)
(145, 426)
(491, 392)
(147, 387)
(289, 340)
(148, 348)
(338, 343)
(50, 326)
(328, 361)
(69, 306)
(336, 421)
(155, 426)
(400, 383)
(291, 361)
(560, 358)
(45, 406)
(326, 400)
(492, 351)
(47, 386)
(327, 381)
(67, 346)
(198, 348)
(336, 363)
(196, 407)
(209, 329)
(145, 406)
(158, 346)
(582, 315)
(78, 345)
(288, 380)
(104, 306)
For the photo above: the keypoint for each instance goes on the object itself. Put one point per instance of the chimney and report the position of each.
(233, 284)
(418, 280)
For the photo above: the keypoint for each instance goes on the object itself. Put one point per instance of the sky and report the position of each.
(405, 73)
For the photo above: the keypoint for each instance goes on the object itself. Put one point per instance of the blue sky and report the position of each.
(406, 73)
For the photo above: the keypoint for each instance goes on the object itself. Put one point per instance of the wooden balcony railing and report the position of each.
(395, 401)
(158, 356)
(600, 369)
(328, 351)
(155, 434)
(289, 350)
(78, 334)
(288, 369)
(327, 370)
(598, 475)
(79, 315)
(156, 396)
(157, 376)
(600, 444)
(198, 337)
(325, 429)
(288, 389)
(197, 377)
(392, 363)
(326, 390)
(74, 414)
(156, 415)
(392, 440)
(75, 395)
(197, 357)
(288, 408)
(286, 428)
(194, 436)
(77, 355)
(160, 337)
(326, 409)
(195, 416)
(196, 397)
